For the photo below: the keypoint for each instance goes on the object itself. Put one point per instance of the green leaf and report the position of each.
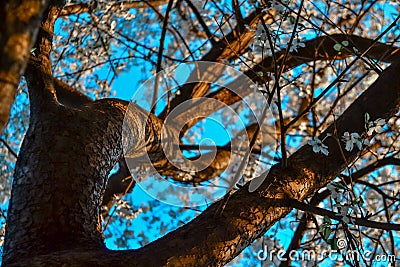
(326, 233)
(358, 200)
(327, 220)
(333, 242)
(339, 185)
(367, 117)
(337, 47)
(345, 43)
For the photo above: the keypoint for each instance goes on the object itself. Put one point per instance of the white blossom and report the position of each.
(303, 126)
(376, 126)
(318, 146)
(354, 138)
(261, 33)
(295, 44)
(335, 192)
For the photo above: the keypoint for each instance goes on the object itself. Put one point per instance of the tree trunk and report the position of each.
(59, 180)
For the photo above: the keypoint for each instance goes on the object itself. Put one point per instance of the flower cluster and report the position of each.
(354, 139)
(339, 191)
(375, 126)
(296, 44)
(318, 146)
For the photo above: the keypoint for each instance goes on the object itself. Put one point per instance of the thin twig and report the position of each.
(9, 148)
(160, 52)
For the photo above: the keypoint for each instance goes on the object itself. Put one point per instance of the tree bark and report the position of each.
(19, 24)
(59, 180)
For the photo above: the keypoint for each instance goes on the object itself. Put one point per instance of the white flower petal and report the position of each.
(359, 145)
(349, 145)
(325, 151)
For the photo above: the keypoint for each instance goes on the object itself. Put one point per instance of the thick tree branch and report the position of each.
(320, 48)
(302, 227)
(19, 24)
(117, 183)
(215, 238)
(69, 96)
(39, 76)
(71, 188)
(231, 47)
(84, 7)
(249, 215)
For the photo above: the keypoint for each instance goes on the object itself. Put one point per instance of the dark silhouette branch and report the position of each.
(119, 183)
(358, 221)
(206, 29)
(302, 227)
(12, 152)
(85, 7)
(320, 48)
(69, 96)
(233, 45)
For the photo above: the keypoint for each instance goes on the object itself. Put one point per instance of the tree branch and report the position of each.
(206, 29)
(358, 221)
(8, 148)
(233, 45)
(39, 77)
(320, 48)
(118, 184)
(248, 215)
(215, 239)
(19, 24)
(85, 7)
(69, 96)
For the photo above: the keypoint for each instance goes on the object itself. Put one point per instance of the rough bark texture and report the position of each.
(19, 24)
(84, 7)
(59, 180)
